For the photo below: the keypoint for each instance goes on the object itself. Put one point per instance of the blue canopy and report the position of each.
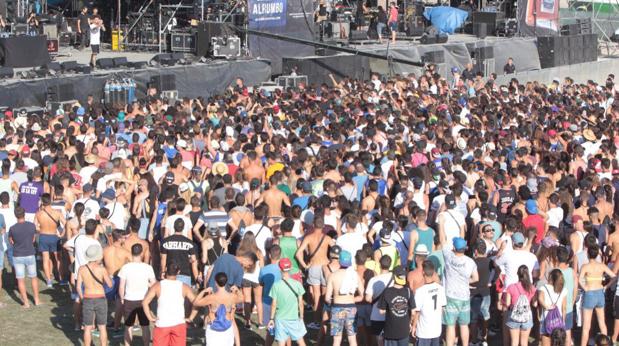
(445, 19)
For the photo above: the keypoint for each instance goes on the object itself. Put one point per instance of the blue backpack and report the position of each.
(221, 323)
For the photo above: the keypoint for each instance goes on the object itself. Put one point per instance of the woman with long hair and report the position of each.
(591, 280)
(251, 282)
(519, 330)
(551, 295)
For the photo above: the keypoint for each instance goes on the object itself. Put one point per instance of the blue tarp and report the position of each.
(445, 19)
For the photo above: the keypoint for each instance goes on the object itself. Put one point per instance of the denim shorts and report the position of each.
(429, 342)
(25, 264)
(480, 307)
(569, 320)
(511, 324)
(593, 299)
(48, 243)
(186, 279)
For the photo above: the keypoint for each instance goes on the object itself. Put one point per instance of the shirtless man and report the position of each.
(333, 173)
(213, 302)
(94, 305)
(274, 198)
(341, 288)
(114, 257)
(133, 226)
(47, 221)
(316, 245)
(369, 202)
(253, 169)
(415, 277)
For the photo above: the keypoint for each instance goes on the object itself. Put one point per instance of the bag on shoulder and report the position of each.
(553, 319)
(521, 312)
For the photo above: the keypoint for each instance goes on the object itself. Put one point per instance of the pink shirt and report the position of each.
(516, 290)
(393, 15)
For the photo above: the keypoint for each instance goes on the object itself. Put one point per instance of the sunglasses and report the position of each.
(486, 230)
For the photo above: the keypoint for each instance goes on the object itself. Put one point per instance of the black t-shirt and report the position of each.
(83, 18)
(398, 303)
(483, 269)
(509, 68)
(178, 248)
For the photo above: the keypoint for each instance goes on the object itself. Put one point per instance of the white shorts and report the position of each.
(215, 338)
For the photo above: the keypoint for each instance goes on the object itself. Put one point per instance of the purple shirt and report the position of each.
(29, 195)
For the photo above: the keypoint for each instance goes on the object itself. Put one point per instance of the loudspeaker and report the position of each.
(441, 39)
(6, 72)
(120, 61)
(436, 57)
(53, 66)
(483, 53)
(163, 82)
(480, 30)
(205, 31)
(427, 39)
(60, 92)
(69, 66)
(163, 59)
(137, 64)
(415, 26)
(552, 51)
(105, 63)
(358, 35)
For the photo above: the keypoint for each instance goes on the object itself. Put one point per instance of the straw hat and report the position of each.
(220, 168)
(90, 158)
(93, 253)
(589, 135)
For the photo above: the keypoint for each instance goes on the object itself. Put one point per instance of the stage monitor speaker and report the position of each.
(480, 30)
(163, 82)
(121, 61)
(105, 63)
(484, 53)
(205, 31)
(68, 66)
(163, 59)
(358, 35)
(6, 72)
(138, 64)
(427, 39)
(442, 38)
(53, 66)
(435, 57)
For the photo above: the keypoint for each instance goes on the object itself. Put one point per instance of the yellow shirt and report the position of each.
(274, 168)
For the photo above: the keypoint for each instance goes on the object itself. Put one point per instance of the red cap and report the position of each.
(25, 149)
(576, 218)
(13, 152)
(552, 133)
(276, 109)
(285, 264)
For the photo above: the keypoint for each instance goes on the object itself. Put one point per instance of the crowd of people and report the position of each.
(387, 211)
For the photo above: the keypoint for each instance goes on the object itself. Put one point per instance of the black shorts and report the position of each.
(95, 48)
(247, 283)
(133, 309)
(616, 307)
(377, 327)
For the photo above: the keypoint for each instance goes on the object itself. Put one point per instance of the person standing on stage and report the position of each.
(393, 21)
(83, 27)
(96, 26)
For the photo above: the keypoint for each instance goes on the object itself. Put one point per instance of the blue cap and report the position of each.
(459, 243)
(81, 111)
(531, 206)
(345, 259)
(454, 70)
(518, 238)
(109, 194)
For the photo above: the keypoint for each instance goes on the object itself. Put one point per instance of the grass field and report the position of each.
(52, 322)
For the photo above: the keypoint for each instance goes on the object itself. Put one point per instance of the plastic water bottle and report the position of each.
(106, 92)
(271, 330)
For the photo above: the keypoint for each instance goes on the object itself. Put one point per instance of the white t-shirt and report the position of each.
(510, 261)
(87, 172)
(376, 286)
(351, 242)
(102, 183)
(452, 221)
(458, 271)
(95, 34)
(118, 215)
(80, 244)
(137, 277)
(169, 225)
(429, 301)
(555, 215)
(262, 234)
(91, 208)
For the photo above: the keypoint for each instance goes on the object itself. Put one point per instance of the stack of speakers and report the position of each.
(486, 23)
(567, 50)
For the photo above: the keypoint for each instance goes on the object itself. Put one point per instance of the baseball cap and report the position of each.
(459, 243)
(335, 251)
(87, 187)
(422, 250)
(518, 238)
(531, 206)
(385, 235)
(285, 264)
(345, 259)
(108, 194)
(576, 218)
(399, 275)
(307, 186)
(169, 177)
(450, 201)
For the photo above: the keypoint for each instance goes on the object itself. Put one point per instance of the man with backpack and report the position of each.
(287, 317)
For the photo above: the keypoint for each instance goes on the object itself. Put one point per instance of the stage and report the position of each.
(196, 79)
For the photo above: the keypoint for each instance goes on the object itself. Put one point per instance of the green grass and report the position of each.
(52, 322)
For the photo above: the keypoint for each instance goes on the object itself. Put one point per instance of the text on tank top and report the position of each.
(171, 304)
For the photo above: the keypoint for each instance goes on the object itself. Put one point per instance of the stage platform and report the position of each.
(193, 80)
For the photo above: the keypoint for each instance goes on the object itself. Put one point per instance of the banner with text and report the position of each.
(538, 17)
(292, 19)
